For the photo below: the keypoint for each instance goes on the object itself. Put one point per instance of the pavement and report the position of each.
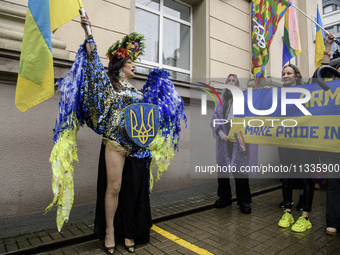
(194, 226)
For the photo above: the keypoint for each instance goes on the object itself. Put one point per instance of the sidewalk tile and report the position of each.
(35, 242)
(153, 250)
(46, 239)
(57, 252)
(81, 249)
(219, 231)
(2, 249)
(24, 244)
(172, 247)
(11, 247)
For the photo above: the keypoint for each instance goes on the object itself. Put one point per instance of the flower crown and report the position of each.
(132, 46)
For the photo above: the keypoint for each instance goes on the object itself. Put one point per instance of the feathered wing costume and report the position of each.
(69, 120)
(73, 113)
(160, 91)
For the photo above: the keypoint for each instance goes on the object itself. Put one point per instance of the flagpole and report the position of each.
(310, 19)
(337, 41)
(88, 29)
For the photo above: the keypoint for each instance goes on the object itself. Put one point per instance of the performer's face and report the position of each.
(129, 70)
(288, 76)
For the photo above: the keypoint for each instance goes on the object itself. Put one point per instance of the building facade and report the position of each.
(193, 39)
(331, 19)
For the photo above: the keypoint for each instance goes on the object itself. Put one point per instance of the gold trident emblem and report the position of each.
(143, 133)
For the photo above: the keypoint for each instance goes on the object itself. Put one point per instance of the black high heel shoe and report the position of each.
(130, 248)
(110, 250)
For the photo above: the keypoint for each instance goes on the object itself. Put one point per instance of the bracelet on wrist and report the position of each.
(325, 64)
(89, 40)
(329, 53)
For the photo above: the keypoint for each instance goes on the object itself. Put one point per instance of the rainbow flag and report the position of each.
(35, 81)
(240, 141)
(319, 41)
(265, 16)
(291, 38)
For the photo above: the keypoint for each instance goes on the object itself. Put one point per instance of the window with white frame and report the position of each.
(166, 26)
(330, 8)
(329, 29)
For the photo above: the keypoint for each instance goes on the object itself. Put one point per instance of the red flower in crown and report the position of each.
(120, 53)
(131, 45)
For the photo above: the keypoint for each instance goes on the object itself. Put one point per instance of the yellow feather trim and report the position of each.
(62, 156)
(163, 151)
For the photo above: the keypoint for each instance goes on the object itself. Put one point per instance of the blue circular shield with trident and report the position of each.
(142, 123)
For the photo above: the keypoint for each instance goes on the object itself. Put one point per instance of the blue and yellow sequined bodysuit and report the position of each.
(103, 106)
(87, 96)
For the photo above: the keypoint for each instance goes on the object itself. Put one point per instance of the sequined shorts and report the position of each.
(113, 145)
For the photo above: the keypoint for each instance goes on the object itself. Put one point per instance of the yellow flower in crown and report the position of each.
(132, 46)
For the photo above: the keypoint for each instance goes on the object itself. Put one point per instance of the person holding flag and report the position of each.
(124, 172)
(326, 55)
(119, 154)
(228, 154)
(329, 39)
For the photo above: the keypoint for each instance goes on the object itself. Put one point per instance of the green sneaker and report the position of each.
(286, 220)
(301, 225)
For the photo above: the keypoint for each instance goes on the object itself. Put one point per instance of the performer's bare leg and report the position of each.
(114, 168)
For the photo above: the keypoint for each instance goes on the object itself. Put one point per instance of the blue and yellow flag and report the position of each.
(265, 16)
(36, 77)
(62, 11)
(319, 41)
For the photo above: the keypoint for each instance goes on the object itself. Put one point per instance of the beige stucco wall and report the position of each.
(221, 45)
(26, 144)
(229, 38)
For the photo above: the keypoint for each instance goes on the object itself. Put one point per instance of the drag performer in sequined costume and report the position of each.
(104, 101)
(104, 97)
(92, 96)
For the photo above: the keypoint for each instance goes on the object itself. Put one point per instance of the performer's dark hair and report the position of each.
(113, 69)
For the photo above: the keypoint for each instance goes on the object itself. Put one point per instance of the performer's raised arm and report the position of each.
(85, 21)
